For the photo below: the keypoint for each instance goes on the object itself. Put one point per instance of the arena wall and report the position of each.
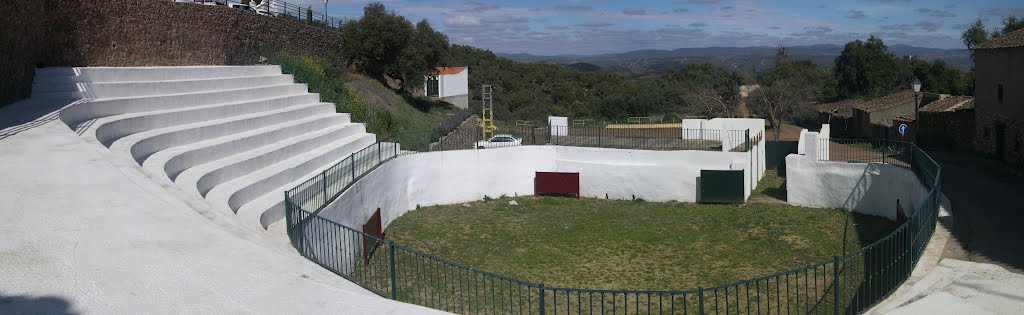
(450, 177)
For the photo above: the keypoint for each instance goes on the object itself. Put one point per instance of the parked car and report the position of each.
(498, 141)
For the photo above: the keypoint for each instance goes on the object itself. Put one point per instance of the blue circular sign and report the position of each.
(903, 129)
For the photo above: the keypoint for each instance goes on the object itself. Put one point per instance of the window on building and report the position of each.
(432, 87)
(999, 93)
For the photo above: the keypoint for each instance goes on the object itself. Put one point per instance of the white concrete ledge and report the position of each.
(176, 160)
(123, 125)
(263, 181)
(98, 108)
(149, 142)
(134, 89)
(232, 167)
(144, 74)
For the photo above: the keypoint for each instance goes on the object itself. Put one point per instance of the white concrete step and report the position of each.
(237, 192)
(226, 169)
(123, 125)
(134, 89)
(254, 203)
(271, 206)
(142, 145)
(98, 108)
(146, 74)
(175, 160)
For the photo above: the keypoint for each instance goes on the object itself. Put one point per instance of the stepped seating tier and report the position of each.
(234, 137)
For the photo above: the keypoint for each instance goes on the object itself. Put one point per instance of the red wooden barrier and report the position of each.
(372, 227)
(554, 183)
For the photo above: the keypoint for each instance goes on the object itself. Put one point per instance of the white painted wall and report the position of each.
(823, 136)
(719, 128)
(453, 84)
(801, 145)
(558, 126)
(651, 175)
(868, 188)
(449, 177)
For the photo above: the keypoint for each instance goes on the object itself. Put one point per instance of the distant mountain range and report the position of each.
(641, 63)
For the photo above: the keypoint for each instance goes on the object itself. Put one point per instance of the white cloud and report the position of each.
(462, 21)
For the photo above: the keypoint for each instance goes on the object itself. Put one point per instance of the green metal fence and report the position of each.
(845, 284)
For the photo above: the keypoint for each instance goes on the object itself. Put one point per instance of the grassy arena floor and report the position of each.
(608, 244)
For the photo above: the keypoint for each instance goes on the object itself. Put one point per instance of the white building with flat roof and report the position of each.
(450, 84)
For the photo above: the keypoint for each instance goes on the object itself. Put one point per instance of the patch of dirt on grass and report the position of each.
(795, 241)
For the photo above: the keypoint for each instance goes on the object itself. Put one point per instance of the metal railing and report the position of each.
(847, 283)
(318, 191)
(282, 10)
(632, 138)
(865, 151)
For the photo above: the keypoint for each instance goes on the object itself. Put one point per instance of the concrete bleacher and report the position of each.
(235, 136)
(102, 211)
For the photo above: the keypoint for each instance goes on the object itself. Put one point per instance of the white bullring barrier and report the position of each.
(448, 177)
(867, 188)
(235, 136)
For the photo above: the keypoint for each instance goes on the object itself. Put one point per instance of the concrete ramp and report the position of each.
(234, 136)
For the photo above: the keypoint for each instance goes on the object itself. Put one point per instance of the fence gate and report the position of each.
(373, 234)
(775, 153)
(721, 186)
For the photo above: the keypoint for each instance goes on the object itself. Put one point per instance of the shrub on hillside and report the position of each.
(321, 77)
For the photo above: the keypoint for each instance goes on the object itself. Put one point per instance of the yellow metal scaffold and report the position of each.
(487, 117)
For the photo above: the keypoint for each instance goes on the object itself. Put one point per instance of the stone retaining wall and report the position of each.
(142, 33)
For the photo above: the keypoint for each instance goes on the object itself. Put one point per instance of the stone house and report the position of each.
(946, 124)
(999, 98)
(873, 119)
(839, 116)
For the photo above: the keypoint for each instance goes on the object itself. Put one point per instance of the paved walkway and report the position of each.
(87, 231)
(988, 211)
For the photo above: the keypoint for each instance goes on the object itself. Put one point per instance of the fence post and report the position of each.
(885, 147)
(747, 143)
(835, 283)
(379, 159)
(533, 135)
(288, 220)
(700, 300)
(541, 298)
(394, 286)
(324, 180)
(352, 164)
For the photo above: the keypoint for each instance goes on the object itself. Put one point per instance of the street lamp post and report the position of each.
(917, 107)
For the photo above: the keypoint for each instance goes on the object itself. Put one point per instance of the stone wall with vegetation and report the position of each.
(987, 127)
(143, 33)
(947, 131)
(21, 45)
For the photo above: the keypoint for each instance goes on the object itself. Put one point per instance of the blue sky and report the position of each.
(592, 27)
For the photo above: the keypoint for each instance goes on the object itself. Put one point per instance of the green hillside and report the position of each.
(385, 113)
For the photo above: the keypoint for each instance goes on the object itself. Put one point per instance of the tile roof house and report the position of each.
(842, 108)
(945, 103)
(946, 124)
(872, 119)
